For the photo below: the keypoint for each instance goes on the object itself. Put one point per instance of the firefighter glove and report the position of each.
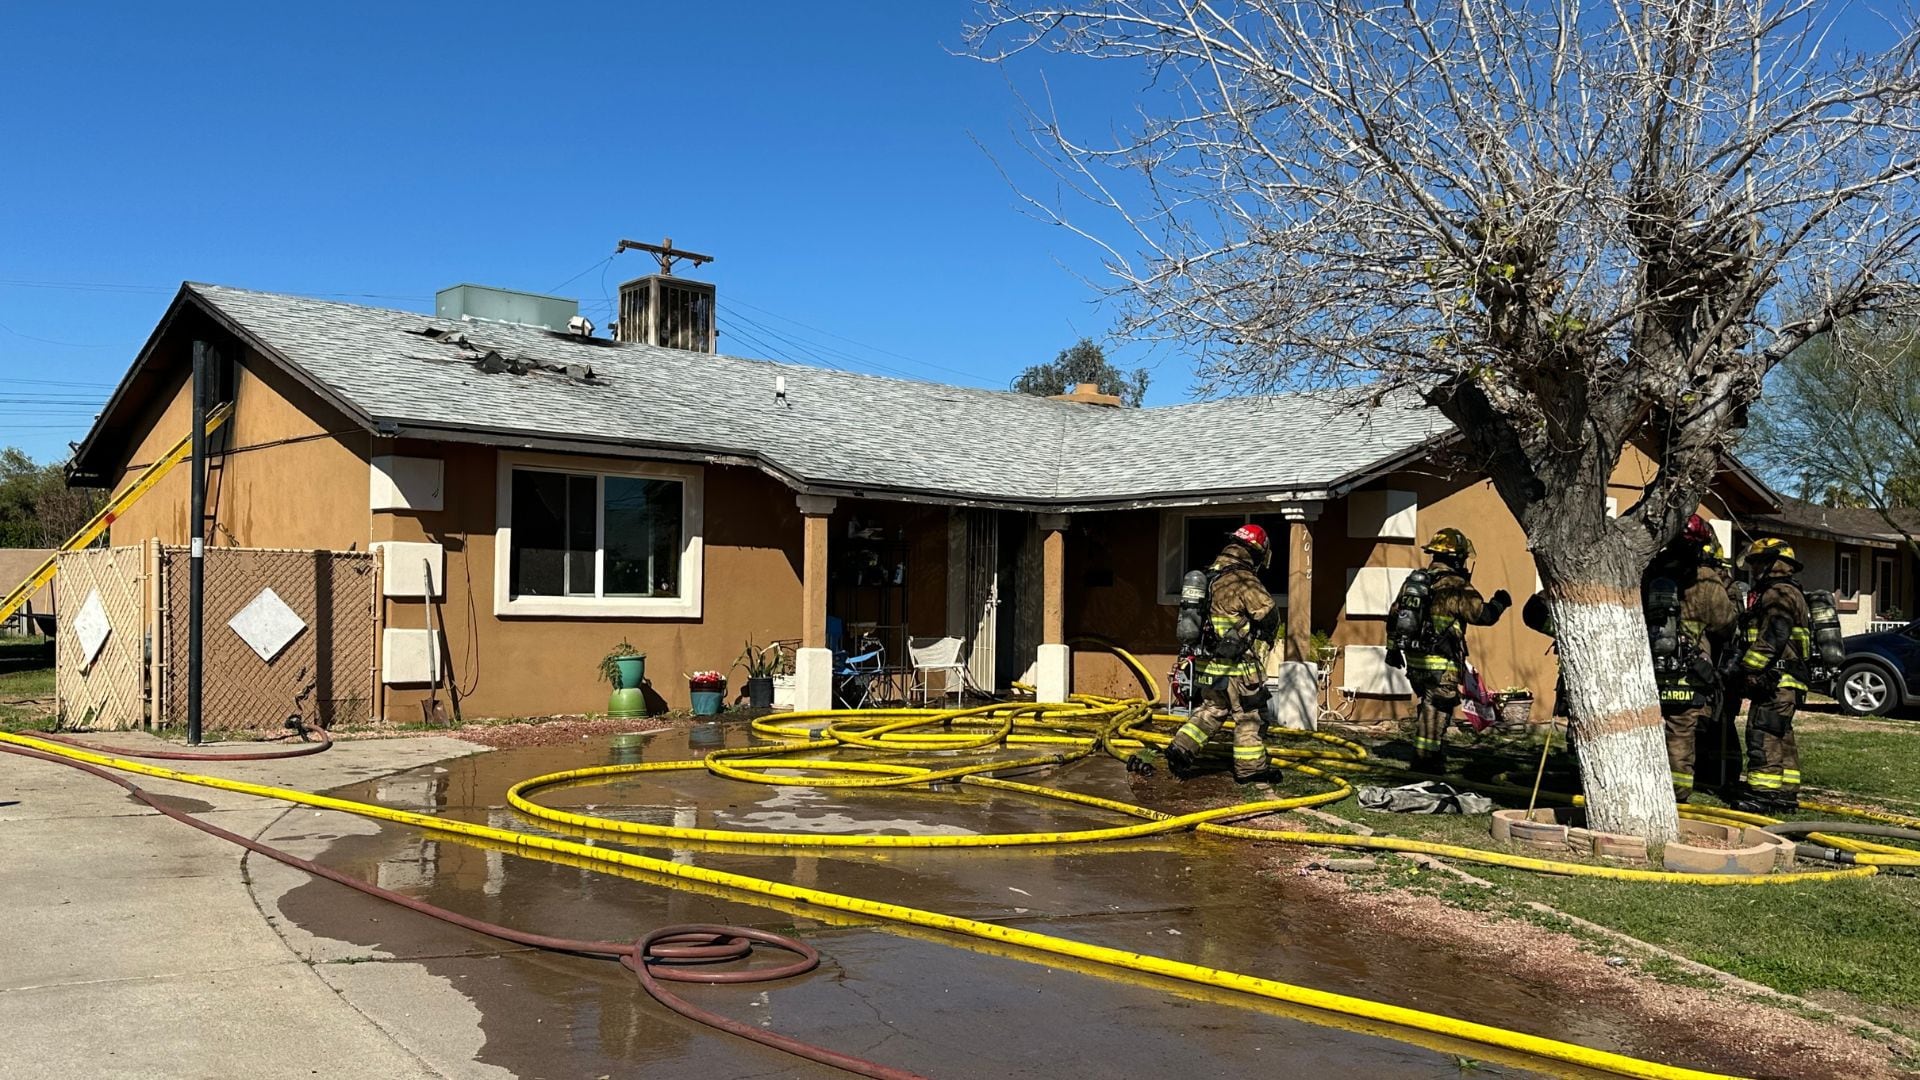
(1502, 599)
(1396, 658)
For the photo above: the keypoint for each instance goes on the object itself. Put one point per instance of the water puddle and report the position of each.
(944, 1006)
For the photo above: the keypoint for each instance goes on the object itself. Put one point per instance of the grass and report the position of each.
(1854, 939)
(22, 683)
(1862, 758)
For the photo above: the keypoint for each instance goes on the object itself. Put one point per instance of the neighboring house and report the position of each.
(1852, 551)
(569, 491)
(35, 615)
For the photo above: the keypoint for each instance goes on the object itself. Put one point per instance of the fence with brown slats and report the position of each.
(324, 673)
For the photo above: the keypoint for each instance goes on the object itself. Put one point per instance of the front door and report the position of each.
(981, 615)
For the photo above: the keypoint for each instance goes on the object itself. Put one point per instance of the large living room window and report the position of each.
(620, 540)
(1191, 541)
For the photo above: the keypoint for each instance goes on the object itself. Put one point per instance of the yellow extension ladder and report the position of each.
(115, 507)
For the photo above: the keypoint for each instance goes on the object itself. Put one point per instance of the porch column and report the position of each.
(1053, 679)
(1299, 644)
(813, 661)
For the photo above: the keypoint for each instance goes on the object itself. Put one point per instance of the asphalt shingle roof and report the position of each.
(836, 429)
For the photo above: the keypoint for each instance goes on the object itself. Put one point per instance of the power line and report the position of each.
(851, 341)
(54, 382)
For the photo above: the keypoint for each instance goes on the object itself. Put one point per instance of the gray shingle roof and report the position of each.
(837, 429)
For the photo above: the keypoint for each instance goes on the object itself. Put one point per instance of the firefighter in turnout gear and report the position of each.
(1773, 669)
(1434, 658)
(1716, 762)
(1689, 614)
(1229, 671)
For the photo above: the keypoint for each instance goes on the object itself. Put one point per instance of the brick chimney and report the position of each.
(1087, 393)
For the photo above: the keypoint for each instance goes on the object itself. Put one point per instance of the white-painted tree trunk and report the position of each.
(1615, 706)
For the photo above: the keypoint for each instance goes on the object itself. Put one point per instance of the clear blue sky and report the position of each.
(825, 154)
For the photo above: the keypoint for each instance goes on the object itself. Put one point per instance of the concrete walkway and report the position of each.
(133, 946)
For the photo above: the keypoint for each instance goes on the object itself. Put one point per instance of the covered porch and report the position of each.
(1017, 588)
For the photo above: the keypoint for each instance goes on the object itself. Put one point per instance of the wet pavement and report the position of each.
(941, 1005)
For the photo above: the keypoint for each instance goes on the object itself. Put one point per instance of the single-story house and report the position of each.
(1852, 551)
(565, 492)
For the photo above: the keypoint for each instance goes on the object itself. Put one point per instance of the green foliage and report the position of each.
(1084, 362)
(609, 672)
(1840, 422)
(37, 508)
(764, 663)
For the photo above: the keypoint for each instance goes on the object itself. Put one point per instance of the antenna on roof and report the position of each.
(664, 253)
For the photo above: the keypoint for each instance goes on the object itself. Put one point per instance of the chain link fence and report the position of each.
(306, 648)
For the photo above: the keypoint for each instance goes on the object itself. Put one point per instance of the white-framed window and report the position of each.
(1846, 582)
(1191, 539)
(597, 539)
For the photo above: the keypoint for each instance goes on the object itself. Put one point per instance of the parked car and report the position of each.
(1881, 672)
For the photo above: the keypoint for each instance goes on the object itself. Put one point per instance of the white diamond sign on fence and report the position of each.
(267, 624)
(92, 627)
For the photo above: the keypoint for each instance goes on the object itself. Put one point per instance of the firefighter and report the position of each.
(1230, 673)
(1772, 671)
(1435, 666)
(1689, 612)
(1716, 764)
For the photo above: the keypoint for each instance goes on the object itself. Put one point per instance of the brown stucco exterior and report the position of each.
(1113, 567)
(287, 470)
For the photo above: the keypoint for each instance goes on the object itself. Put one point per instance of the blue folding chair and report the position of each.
(856, 675)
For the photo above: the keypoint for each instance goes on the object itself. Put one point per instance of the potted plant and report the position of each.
(1516, 708)
(707, 689)
(625, 668)
(761, 665)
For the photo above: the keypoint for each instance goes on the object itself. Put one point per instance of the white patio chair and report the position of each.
(929, 655)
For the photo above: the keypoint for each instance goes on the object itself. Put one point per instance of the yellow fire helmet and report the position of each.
(1770, 548)
(1715, 553)
(1451, 542)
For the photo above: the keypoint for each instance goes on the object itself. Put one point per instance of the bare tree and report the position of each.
(1567, 225)
(1842, 418)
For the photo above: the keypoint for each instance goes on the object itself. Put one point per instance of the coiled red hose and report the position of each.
(325, 743)
(668, 954)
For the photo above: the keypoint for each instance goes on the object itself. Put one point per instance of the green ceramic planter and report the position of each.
(627, 702)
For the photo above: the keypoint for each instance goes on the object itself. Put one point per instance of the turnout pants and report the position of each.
(1773, 759)
(1684, 724)
(1223, 698)
(1439, 697)
(1717, 750)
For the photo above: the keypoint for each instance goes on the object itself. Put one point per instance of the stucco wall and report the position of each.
(289, 470)
(1124, 606)
(537, 666)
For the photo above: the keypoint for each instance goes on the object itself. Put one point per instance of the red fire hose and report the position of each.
(668, 954)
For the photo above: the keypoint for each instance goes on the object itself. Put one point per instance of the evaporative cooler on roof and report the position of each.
(672, 312)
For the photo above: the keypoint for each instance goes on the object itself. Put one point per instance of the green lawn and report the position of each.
(1873, 759)
(1853, 939)
(26, 695)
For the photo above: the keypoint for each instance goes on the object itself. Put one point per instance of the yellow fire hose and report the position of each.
(1059, 734)
(1550, 1049)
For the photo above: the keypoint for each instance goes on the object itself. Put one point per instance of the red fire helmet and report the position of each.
(1252, 534)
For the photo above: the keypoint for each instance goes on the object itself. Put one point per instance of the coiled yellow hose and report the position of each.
(1013, 737)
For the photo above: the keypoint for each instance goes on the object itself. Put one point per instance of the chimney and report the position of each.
(1087, 393)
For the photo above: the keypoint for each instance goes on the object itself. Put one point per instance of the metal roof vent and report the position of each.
(484, 303)
(664, 310)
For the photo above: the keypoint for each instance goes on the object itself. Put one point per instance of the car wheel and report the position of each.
(1865, 690)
